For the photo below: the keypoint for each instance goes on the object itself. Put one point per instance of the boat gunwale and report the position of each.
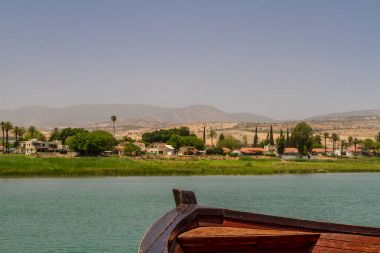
(188, 216)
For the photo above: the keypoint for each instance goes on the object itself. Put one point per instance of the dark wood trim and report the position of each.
(183, 197)
(161, 236)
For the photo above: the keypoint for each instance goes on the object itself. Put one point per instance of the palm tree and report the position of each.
(3, 131)
(8, 127)
(343, 144)
(350, 140)
(212, 135)
(326, 136)
(21, 133)
(113, 119)
(356, 141)
(32, 130)
(334, 137)
(16, 130)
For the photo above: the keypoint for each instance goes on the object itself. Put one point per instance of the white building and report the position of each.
(159, 148)
(32, 146)
(35, 146)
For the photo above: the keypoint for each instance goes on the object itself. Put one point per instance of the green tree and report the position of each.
(245, 140)
(343, 145)
(326, 136)
(255, 139)
(91, 143)
(302, 137)
(55, 135)
(3, 134)
(221, 136)
(281, 143)
(163, 135)
(317, 141)
(131, 149)
(377, 137)
(204, 134)
(370, 145)
(212, 135)
(229, 142)
(356, 141)
(350, 140)
(17, 133)
(21, 133)
(214, 151)
(287, 140)
(128, 139)
(271, 140)
(113, 119)
(67, 132)
(334, 138)
(32, 131)
(178, 141)
(8, 127)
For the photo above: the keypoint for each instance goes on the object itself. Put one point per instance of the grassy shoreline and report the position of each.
(25, 166)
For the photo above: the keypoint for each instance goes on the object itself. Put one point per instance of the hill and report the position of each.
(347, 115)
(89, 114)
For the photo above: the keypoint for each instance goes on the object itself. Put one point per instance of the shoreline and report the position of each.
(13, 166)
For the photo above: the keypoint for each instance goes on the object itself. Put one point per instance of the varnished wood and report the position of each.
(281, 234)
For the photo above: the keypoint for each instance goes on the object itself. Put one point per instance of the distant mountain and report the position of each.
(347, 115)
(90, 114)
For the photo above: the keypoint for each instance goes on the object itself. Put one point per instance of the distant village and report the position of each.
(296, 143)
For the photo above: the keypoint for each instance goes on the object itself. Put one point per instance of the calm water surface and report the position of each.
(111, 214)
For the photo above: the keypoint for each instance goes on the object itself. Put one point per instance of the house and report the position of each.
(188, 150)
(32, 147)
(321, 151)
(252, 151)
(290, 153)
(159, 148)
(57, 146)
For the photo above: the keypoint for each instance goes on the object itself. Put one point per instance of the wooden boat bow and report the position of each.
(190, 227)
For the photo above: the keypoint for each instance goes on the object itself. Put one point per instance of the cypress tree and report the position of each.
(204, 134)
(287, 141)
(255, 139)
(271, 140)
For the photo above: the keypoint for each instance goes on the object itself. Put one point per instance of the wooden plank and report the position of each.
(239, 232)
(352, 238)
(347, 245)
(228, 239)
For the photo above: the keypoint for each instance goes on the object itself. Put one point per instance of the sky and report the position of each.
(284, 59)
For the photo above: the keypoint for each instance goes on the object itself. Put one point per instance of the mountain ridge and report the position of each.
(345, 115)
(85, 114)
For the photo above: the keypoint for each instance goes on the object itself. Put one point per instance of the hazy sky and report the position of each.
(285, 59)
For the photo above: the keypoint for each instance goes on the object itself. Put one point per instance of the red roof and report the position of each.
(251, 150)
(291, 150)
(321, 150)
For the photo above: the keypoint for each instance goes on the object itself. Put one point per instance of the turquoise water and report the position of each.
(111, 214)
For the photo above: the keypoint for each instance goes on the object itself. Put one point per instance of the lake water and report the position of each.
(111, 214)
